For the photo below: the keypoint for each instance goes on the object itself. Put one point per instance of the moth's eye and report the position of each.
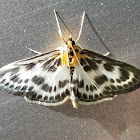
(66, 42)
(73, 43)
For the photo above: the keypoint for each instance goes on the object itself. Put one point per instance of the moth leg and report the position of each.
(107, 54)
(58, 26)
(36, 52)
(81, 27)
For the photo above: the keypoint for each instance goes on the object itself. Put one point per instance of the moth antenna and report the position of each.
(59, 29)
(36, 52)
(83, 17)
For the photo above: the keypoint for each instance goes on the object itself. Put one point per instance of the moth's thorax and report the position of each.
(68, 54)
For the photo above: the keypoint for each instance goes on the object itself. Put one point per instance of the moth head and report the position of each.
(70, 42)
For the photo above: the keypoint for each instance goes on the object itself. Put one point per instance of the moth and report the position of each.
(69, 72)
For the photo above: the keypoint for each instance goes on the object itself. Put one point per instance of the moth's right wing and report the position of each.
(100, 78)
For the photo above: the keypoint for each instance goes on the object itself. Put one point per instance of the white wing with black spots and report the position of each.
(110, 78)
(42, 79)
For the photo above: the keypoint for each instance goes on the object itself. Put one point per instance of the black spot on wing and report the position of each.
(19, 81)
(85, 96)
(101, 79)
(107, 88)
(119, 87)
(62, 84)
(51, 98)
(130, 83)
(82, 61)
(29, 66)
(78, 94)
(52, 68)
(108, 67)
(31, 95)
(57, 62)
(67, 91)
(30, 88)
(87, 68)
(6, 84)
(96, 96)
(14, 78)
(87, 88)
(91, 97)
(91, 88)
(24, 88)
(112, 80)
(113, 87)
(38, 80)
(57, 97)
(45, 98)
(50, 89)
(63, 95)
(39, 97)
(134, 80)
(118, 80)
(54, 89)
(93, 65)
(11, 86)
(3, 81)
(26, 81)
(45, 87)
(125, 86)
(18, 88)
(124, 75)
(81, 84)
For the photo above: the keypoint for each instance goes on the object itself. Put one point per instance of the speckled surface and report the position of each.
(32, 23)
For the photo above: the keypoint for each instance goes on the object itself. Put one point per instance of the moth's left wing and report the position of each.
(41, 79)
(102, 78)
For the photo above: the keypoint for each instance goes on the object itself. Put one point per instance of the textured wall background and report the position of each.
(32, 23)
